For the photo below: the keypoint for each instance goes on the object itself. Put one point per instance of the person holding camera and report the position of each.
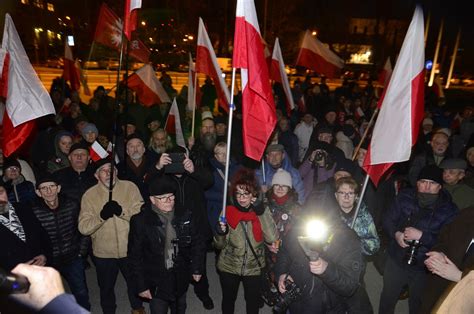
(165, 246)
(412, 224)
(241, 241)
(318, 278)
(108, 223)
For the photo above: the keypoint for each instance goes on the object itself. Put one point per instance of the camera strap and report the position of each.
(251, 247)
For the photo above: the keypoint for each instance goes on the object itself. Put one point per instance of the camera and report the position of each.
(320, 156)
(410, 256)
(292, 293)
(13, 283)
(176, 165)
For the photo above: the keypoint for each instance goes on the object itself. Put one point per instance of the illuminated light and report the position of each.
(58, 36)
(190, 37)
(368, 53)
(68, 18)
(174, 45)
(151, 49)
(316, 230)
(185, 39)
(314, 33)
(143, 23)
(150, 39)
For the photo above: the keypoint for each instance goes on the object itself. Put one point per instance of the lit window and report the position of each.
(50, 7)
(38, 3)
(24, 1)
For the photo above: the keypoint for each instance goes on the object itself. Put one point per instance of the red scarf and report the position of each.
(281, 200)
(234, 216)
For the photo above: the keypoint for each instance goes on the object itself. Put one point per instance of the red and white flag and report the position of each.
(139, 51)
(194, 92)
(147, 86)
(278, 73)
(258, 107)
(316, 56)
(97, 152)
(130, 20)
(70, 72)
(26, 97)
(173, 124)
(386, 73)
(83, 79)
(402, 108)
(206, 62)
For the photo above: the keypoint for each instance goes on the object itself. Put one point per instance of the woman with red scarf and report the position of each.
(247, 221)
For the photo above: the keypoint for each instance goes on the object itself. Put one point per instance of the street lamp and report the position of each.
(314, 33)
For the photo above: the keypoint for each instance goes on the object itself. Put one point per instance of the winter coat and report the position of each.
(235, 256)
(20, 190)
(109, 237)
(303, 132)
(365, 228)
(14, 250)
(462, 194)
(61, 226)
(146, 247)
(405, 212)
(125, 172)
(345, 144)
(290, 142)
(74, 184)
(286, 165)
(341, 277)
(284, 215)
(421, 160)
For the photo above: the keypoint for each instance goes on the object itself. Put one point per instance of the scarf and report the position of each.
(166, 218)
(281, 200)
(235, 216)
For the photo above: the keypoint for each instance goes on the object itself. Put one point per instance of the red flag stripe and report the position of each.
(311, 60)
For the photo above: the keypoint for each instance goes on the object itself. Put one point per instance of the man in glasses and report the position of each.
(108, 223)
(58, 214)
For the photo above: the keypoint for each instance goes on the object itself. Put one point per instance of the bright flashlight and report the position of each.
(316, 230)
(316, 237)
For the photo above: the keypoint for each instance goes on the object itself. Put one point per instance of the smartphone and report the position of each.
(176, 165)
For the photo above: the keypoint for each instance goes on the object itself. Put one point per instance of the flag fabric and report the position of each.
(173, 124)
(267, 54)
(194, 92)
(139, 51)
(130, 20)
(70, 72)
(316, 56)
(147, 86)
(384, 75)
(97, 152)
(258, 107)
(109, 28)
(83, 79)
(26, 97)
(278, 73)
(206, 62)
(402, 108)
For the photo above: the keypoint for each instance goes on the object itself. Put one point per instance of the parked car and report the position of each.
(57, 63)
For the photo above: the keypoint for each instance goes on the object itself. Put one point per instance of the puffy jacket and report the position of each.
(405, 212)
(146, 254)
(61, 226)
(20, 190)
(109, 237)
(236, 257)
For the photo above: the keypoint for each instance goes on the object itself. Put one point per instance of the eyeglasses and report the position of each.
(346, 194)
(166, 198)
(48, 187)
(279, 186)
(242, 195)
(13, 168)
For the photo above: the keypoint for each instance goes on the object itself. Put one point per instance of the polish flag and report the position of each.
(173, 124)
(147, 86)
(97, 152)
(26, 97)
(206, 62)
(258, 108)
(385, 74)
(278, 73)
(316, 56)
(402, 108)
(70, 72)
(194, 92)
(130, 20)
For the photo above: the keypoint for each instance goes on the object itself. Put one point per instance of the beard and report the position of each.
(136, 156)
(209, 140)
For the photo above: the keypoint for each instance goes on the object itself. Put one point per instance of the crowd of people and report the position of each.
(155, 210)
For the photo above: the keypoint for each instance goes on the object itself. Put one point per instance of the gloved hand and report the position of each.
(258, 205)
(110, 208)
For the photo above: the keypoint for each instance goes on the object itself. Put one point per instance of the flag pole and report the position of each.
(453, 59)
(194, 104)
(115, 115)
(229, 136)
(359, 201)
(435, 59)
(371, 122)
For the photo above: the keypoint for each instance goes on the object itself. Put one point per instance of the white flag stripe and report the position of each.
(148, 76)
(27, 98)
(277, 55)
(246, 9)
(315, 45)
(396, 111)
(177, 123)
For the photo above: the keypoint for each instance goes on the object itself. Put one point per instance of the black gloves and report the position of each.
(258, 206)
(110, 208)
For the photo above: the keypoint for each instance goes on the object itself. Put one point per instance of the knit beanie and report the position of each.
(282, 177)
